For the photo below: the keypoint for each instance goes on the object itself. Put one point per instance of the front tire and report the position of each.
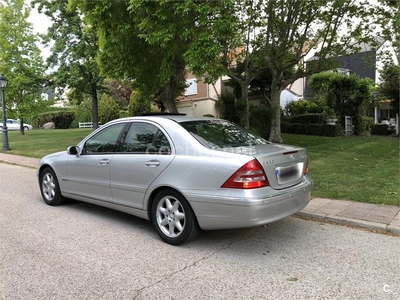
(26, 128)
(173, 218)
(50, 188)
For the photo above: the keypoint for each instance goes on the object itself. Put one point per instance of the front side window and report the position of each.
(221, 134)
(146, 138)
(105, 141)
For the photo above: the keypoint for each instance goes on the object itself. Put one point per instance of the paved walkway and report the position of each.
(377, 217)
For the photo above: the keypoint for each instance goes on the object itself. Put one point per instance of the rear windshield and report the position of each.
(221, 134)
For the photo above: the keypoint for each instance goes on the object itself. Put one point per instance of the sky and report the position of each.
(40, 25)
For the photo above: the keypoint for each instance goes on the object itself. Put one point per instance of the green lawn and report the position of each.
(364, 169)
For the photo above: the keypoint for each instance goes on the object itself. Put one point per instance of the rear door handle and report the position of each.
(152, 163)
(104, 162)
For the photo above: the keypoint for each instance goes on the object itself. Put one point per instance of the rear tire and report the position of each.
(173, 218)
(50, 188)
(26, 128)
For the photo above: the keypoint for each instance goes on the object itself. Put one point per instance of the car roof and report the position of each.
(174, 117)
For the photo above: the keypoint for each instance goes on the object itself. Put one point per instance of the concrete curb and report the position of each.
(393, 229)
(350, 222)
(21, 164)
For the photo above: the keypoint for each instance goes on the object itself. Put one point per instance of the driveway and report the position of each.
(80, 251)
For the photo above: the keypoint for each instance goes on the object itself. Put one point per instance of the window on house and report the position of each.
(191, 87)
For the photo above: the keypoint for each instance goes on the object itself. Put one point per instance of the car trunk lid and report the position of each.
(284, 165)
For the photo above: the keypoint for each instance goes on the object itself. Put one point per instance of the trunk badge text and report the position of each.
(267, 162)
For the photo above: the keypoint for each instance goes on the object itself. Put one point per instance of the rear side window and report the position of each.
(221, 134)
(146, 138)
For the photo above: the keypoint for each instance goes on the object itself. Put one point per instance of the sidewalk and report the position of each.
(384, 218)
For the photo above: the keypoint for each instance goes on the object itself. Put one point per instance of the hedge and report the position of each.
(308, 119)
(311, 129)
(61, 119)
(380, 129)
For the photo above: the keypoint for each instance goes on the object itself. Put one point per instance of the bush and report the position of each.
(362, 124)
(226, 107)
(308, 119)
(108, 109)
(138, 105)
(311, 129)
(380, 129)
(300, 107)
(83, 113)
(62, 119)
(123, 113)
(209, 115)
(259, 118)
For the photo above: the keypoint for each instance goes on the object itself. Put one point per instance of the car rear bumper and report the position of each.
(249, 211)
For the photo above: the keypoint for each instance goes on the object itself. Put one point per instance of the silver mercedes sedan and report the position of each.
(182, 173)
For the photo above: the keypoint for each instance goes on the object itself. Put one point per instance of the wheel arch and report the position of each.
(153, 196)
(44, 166)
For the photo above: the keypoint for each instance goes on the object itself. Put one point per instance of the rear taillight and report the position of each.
(306, 169)
(249, 176)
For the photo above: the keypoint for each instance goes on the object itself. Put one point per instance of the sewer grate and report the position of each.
(370, 212)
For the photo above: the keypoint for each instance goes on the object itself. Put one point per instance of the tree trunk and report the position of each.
(167, 97)
(276, 89)
(95, 107)
(21, 126)
(245, 97)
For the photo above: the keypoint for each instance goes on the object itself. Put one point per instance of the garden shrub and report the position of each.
(259, 119)
(227, 108)
(62, 119)
(300, 107)
(138, 105)
(380, 129)
(83, 113)
(308, 119)
(108, 109)
(311, 129)
(362, 124)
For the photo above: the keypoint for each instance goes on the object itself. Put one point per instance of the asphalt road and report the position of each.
(80, 251)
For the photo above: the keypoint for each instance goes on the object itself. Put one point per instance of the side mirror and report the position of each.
(73, 150)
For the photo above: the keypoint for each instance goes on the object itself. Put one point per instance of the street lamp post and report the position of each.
(3, 85)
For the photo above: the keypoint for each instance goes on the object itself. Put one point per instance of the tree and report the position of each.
(148, 41)
(20, 61)
(388, 19)
(390, 87)
(346, 95)
(283, 33)
(74, 47)
(153, 42)
(120, 91)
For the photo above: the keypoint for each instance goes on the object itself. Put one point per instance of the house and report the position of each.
(368, 63)
(199, 97)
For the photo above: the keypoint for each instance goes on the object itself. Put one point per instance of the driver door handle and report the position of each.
(104, 162)
(152, 163)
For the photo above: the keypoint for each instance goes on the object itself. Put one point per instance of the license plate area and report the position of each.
(289, 173)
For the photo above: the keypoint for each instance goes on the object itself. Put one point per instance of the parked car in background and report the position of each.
(181, 173)
(15, 125)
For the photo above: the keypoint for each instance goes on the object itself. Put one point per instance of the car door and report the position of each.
(12, 125)
(89, 173)
(146, 152)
